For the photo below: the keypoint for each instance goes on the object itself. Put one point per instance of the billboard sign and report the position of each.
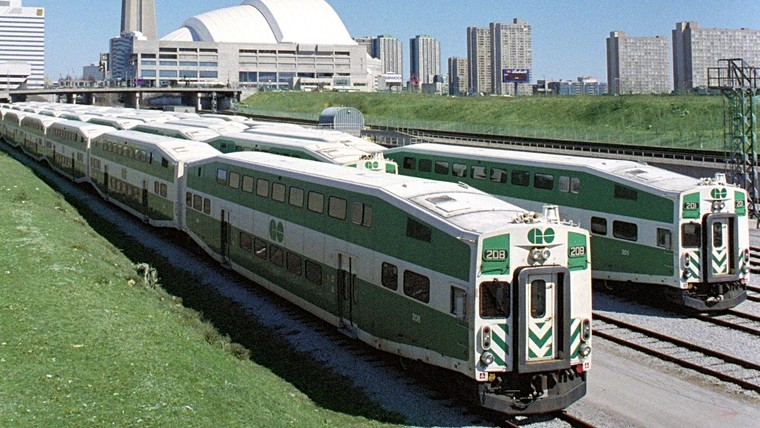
(515, 75)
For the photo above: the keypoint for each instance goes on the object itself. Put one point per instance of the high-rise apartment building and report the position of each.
(479, 60)
(696, 49)
(140, 16)
(511, 45)
(638, 65)
(22, 44)
(425, 59)
(390, 52)
(458, 76)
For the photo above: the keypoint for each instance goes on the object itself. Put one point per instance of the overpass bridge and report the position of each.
(208, 98)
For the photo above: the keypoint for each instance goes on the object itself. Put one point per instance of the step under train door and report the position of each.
(543, 307)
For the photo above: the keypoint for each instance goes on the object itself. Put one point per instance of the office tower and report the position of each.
(390, 52)
(425, 59)
(139, 15)
(638, 65)
(22, 45)
(696, 49)
(367, 43)
(458, 76)
(511, 46)
(479, 60)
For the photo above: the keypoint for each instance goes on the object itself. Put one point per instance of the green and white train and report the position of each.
(648, 225)
(442, 273)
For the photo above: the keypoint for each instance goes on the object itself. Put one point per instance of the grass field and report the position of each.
(671, 121)
(88, 338)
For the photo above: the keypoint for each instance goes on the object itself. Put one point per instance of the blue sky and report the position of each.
(568, 36)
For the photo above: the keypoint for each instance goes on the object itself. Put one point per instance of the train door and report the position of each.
(721, 243)
(105, 178)
(145, 197)
(346, 289)
(224, 237)
(542, 333)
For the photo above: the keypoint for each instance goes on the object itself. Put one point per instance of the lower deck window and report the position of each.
(293, 263)
(625, 230)
(389, 276)
(417, 286)
(313, 272)
(276, 255)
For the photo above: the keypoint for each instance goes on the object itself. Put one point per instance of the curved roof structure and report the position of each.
(267, 21)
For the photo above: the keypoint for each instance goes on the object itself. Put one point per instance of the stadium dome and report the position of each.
(267, 21)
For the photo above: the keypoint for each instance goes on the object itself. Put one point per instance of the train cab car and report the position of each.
(340, 153)
(649, 226)
(12, 127)
(182, 132)
(434, 272)
(69, 147)
(141, 172)
(33, 129)
(318, 135)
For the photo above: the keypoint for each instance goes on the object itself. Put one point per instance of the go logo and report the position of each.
(371, 165)
(719, 193)
(276, 231)
(538, 237)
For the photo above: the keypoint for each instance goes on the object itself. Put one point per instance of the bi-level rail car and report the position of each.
(432, 271)
(142, 172)
(68, 144)
(33, 130)
(184, 132)
(346, 153)
(648, 225)
(12, 127)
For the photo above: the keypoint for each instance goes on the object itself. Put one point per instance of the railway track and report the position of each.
(686, 354)
(735, 320)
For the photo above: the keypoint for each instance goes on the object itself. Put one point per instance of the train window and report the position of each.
(207, 206)
(575, 185)
(663, 238)
(543, 181)
(164, 191)
(478, 172)
(247, 184)
(188, 199)
(622, 192)
(260, 248)
(459, 170)
(717, 235)
(442, 167)
(197, 203)
(234, 180)
(336, 208)
(417, 230)
(389, 276)
(498, 175)
(409, 163)
(564, 184)
(598, 226)
(156, 187)
(494, 299)
(262, 187)
(316, 202)
(296, 197)
(625, 230)
(458, 303)
(164, 162)
(221, 177)
(246, 242)
(691, 235)
(276, 256)
(293, 263)
(426, 165)
(520, 178)
(361, 214)
(313, 272)
(417, 286)
(538, 298)
(278, 192)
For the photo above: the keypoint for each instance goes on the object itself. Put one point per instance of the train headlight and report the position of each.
(584, 350)
(546, 254)
(486, 358)
(539, 255)
(686, 274)
(586, 330)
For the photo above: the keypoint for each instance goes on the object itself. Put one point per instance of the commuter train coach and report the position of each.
(648, 225)
(497, 297)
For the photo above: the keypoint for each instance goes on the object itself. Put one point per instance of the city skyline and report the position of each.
(563, 45)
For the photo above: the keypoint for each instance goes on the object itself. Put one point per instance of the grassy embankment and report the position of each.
(668, 121)
(89, 339)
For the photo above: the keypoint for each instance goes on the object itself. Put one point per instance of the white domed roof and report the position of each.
(267, 21)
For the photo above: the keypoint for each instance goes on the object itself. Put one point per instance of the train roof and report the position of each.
(89, 129)
(321, 135)
(40, 118)
(115, 122)
(191, 132)
(218, 125)
(632, 173)
(467, 209)
(176, 149)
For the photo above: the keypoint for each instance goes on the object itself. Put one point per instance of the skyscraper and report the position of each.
(511, 46)
(425, 59)
(638, 65)
(139, 15)
(479, 60)
(390, 52)
(22, 44)
(457, 76)
(696, 49)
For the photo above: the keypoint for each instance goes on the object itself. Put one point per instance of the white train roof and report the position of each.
(323, 135)
(192, 132)
(178, 150)
(437, 202)
(634, 173)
